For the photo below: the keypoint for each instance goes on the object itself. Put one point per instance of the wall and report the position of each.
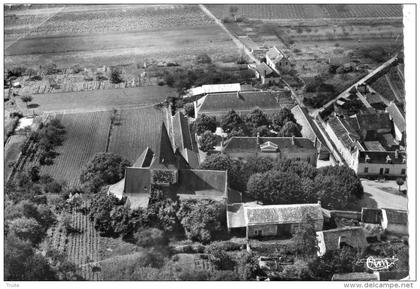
(267, 230)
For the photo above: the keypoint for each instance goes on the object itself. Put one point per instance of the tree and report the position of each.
(16, 252)
(101, 207)
(304, 238)
(207, 141)
(281, 117)
(202, 219)
(203, 59)
(27, 229)
(204, 123)
(34, 173)
(345, 260)
(116, 76)
(231, 121)
(275, 187)
(189, 110)
(103, 169)
(399, 182)
(221, 162)
(26, 99)
(220, 259)
(151, 237)
(290, 129)
(302, 169)
(345, 177)
(257, 118)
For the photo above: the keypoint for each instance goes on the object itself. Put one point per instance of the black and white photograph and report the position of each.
(209, 141)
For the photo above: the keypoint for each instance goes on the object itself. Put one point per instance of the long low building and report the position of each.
(219, 104)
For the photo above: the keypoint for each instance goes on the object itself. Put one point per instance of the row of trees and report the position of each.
(281, 123)
(289, 181)
(199, 220)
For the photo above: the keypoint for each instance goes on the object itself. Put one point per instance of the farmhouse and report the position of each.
(243, 102)
(169, 172)
(280, 220)
(277, 60)
(264, 73)
(297, 148)
(335, 239)
(311, 131)
(396, 114)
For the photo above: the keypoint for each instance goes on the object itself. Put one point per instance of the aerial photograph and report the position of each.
(206, 142)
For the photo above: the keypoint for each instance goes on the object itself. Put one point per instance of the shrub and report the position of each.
(203, 59)
(151, 237)
(116, 76)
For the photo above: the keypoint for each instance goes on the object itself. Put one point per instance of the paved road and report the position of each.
(375, 197)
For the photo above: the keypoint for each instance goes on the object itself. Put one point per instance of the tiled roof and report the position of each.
(396, 216)
(144, 159)
(181, 132)
(342, 133)
(374, 121)
(137, 180)
(275, 54)
(374, 146)
(245, 101)
(265, 70)
(282, 214)
(195, 181)
(164, 157)
(379, 157)
(353, 236)
(252, 144)
(397, 116)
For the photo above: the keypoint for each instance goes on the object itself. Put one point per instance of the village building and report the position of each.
(277, 60)
(311, 131)
(396, 114)
(243, 103)
(390, 164)
(168, 171)
(335, 239)
(265, 74)
(295, 148)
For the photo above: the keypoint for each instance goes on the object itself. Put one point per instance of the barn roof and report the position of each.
(245, 101)
(282, 214)
(214, 88)
(275, 54)
(397, 115)
(181, 132)
(373, 121)
(352, 236)
(164, 157)
(346, 136)
(253, 144)
(210, 183)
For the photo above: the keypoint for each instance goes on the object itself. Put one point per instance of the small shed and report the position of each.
(335, 239)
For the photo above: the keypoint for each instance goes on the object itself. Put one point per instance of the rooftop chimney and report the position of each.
(237, 94)
(396, 154)
(258, 138)
(367, 158)
(388, 159)
(293, 140)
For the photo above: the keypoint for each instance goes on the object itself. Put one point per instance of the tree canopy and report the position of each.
(207, 141)
(103, 169)
(204, 123)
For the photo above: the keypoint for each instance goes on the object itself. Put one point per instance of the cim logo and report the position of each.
(379, 264)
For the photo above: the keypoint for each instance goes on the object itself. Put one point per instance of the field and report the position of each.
(309, 11)
(87, 134)
(98, 100)
(113, 35)
(137, 130)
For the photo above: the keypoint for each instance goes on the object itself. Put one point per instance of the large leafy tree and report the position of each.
(275, 187)
(290, 129)
(207, 141)
(346, 177)
(202, 220)
(231, 122)
(302, 169)
(204, 123)
(103, 169)
(221, 162)
(257, 118)
(281, 117)
(27, 229)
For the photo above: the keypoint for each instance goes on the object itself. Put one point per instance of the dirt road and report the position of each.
(375, 197)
